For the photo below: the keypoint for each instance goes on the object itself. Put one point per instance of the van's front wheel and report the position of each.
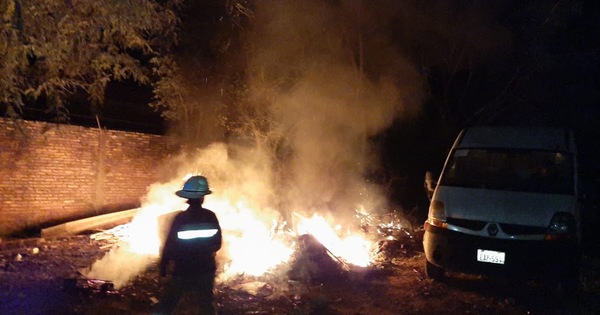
(434, 272)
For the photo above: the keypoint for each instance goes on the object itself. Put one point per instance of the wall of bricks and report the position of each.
(52, 173)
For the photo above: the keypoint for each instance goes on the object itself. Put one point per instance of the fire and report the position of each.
(353, 248)
(139, 237)
(255, 251)
(250, 245)
(254, 241)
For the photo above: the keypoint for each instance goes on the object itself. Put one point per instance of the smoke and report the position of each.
(322, 79)
(135, 252)
(331, 80)
(120, 266)
(240, 185)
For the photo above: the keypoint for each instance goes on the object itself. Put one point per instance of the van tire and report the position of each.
(434, 272)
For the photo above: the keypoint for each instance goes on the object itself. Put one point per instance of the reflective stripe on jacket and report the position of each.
(194, 238)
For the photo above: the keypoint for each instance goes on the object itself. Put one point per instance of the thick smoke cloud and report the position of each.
(331, 80)
(326, 78)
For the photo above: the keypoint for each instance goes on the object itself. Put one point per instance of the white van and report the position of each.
(506, 204)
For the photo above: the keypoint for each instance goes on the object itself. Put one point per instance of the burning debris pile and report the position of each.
(313, 253)
(61, 264)
(314, 262)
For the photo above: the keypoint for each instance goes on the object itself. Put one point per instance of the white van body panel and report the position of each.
(496, 206)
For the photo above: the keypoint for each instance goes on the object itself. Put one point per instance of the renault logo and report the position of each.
(492, 229)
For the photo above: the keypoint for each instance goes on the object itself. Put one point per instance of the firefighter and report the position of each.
(189, 251)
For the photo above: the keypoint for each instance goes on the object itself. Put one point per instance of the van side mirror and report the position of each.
(430, 184)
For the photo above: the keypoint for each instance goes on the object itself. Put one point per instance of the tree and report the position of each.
(52, 49)
(203, 72)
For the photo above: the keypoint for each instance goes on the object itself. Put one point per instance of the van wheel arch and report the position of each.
(434, 272)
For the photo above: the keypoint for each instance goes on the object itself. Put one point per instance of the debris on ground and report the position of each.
(43, 276)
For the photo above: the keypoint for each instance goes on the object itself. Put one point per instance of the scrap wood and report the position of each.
(78, 226)
(342, 262)
(329, 252)
(77, 285)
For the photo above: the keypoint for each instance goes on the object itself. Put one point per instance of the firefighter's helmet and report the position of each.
(195, 187)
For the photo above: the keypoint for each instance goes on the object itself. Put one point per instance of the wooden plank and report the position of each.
(78, 226)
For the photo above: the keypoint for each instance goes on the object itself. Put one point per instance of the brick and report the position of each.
(53, 174)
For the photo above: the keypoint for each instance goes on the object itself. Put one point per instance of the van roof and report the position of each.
(517, 137)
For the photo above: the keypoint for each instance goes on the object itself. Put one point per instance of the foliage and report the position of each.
(204, 75)
(50, 49)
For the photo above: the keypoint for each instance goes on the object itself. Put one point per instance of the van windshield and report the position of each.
(515, 170)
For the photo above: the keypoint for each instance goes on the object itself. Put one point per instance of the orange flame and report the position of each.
(251, 246)
(352, 248)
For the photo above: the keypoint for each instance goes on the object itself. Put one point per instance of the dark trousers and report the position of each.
(199, 286)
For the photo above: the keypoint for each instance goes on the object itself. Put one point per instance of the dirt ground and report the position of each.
(41, 277)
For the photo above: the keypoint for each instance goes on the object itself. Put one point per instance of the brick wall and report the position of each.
(51, 173)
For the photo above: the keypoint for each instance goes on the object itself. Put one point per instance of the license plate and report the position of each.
(491, 256)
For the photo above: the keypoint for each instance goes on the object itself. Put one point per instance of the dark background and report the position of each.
(548, 75)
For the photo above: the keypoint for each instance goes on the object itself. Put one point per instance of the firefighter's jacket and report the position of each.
(194, 238)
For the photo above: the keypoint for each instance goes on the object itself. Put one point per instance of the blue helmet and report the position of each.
(195, 187)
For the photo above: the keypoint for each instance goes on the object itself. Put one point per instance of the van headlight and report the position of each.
(437, 214)
(562, 226)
